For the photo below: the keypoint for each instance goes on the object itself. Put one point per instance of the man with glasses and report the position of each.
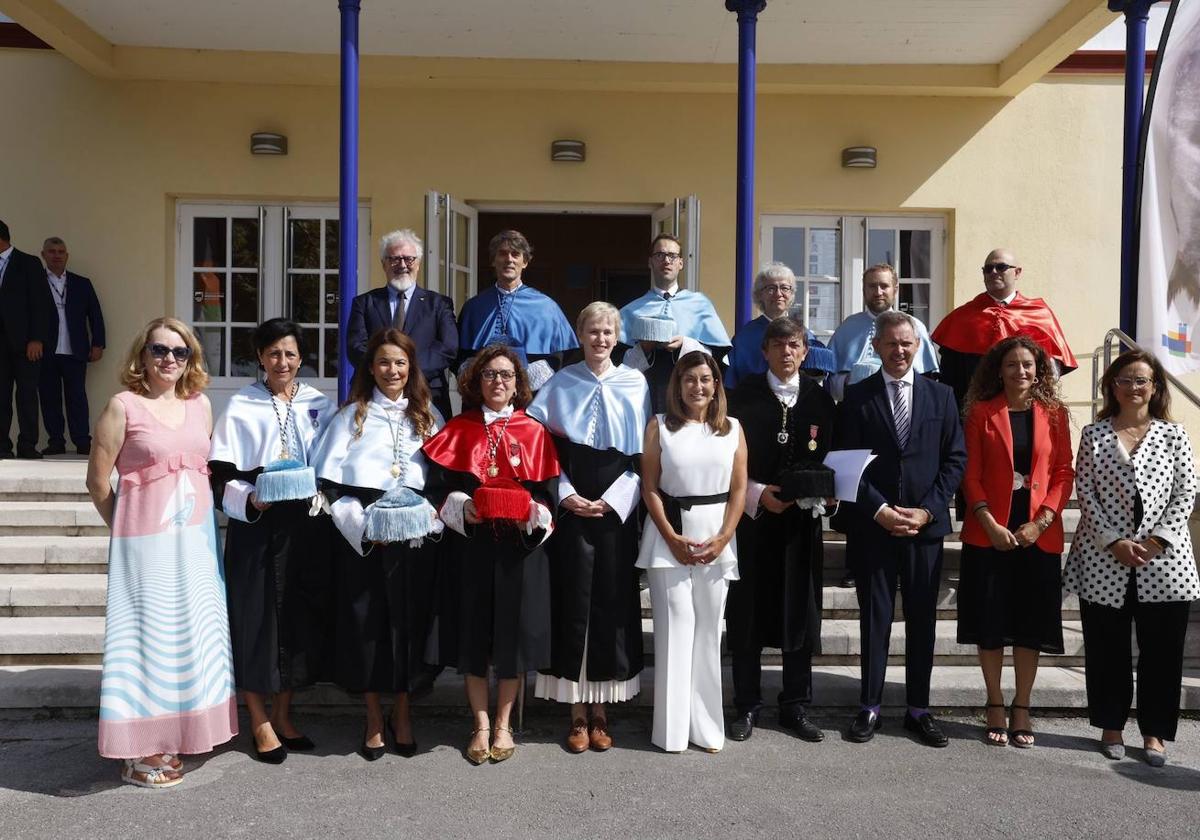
(688, 316)
(853, 343)
(423, 315)
(775, 293)
(1000, 311)
(25, 305)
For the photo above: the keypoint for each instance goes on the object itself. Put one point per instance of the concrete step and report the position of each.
(31, 595)
(52, 554)
(835, 687)
(39, 640)
(57, 518)
(52, 479)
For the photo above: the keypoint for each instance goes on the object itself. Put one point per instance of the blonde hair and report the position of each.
(195, 375)
(594, 311)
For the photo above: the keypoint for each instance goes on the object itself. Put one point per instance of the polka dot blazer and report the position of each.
(1106, 480)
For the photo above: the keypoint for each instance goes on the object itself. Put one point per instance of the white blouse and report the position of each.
(1107, 481)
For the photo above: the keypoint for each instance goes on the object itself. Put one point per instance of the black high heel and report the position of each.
(275, 756)
(371, 753)
(301, 743)
(405, 750)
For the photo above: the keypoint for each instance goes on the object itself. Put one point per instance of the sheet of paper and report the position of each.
(848, 466)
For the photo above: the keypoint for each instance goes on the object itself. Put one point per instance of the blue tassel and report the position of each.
(819, 358)
(400, 515)
(285, 480)
(653, 328)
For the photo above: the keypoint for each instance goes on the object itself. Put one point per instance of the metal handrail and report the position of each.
(1116, 335)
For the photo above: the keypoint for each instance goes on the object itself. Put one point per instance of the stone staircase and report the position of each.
(53, 559)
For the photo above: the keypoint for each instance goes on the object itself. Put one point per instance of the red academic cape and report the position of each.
(462, 446)
(977, 326)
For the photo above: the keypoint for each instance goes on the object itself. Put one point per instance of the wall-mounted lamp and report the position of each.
(573, 151)
(858, 157)
(266, 143)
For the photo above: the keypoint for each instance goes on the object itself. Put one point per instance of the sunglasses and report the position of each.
(999, 268)
(160, 351)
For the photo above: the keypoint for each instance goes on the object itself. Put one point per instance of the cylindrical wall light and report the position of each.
(858, 157)
(573, 151)
(267, 143)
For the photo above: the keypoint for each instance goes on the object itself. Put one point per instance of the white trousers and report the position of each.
(688, 604)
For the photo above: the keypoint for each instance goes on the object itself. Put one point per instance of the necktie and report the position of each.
(398, 319)
(900, 412)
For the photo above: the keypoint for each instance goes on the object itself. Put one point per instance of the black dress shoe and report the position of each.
(797, 721)
(372, 753)
(301, 743)
(275, 756)
(864, 726)
(29, 455)
(742, 726)
(847, 581)
(926, 729)
(85, 449)
(6, 455)
(55, 449)
(405, 750)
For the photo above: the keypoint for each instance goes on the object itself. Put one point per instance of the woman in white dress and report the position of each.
(694, 486)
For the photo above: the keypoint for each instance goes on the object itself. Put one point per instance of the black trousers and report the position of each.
(1108, 662)
(62, 382)
(440, 397)
(19, 374)
(747, 680)
(918, 567)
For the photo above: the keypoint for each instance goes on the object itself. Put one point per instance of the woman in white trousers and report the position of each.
(693, 483)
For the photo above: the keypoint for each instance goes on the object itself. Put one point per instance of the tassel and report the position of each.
(502, 499)
(653, 328)
(285, 480)
(401, 515)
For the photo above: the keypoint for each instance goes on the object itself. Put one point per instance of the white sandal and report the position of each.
(155, 777)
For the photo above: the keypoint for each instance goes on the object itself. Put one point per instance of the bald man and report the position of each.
(967, 333)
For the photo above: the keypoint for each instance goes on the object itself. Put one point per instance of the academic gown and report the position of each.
(747, 357)
(277, 563)
(694, 317)
(777, 601)
(598, 427)
(526, 320)
(494, 590)
(384, 595)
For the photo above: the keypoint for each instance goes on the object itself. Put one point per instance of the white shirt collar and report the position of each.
(781, 387)
(1007, 300)
(380, 399)
(511, 291)
(490, 417)
(907, 378)
(7, 252)
(672, 290)
(61, 278)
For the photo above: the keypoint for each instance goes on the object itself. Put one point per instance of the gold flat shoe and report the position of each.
(502, 753)
(477, 757)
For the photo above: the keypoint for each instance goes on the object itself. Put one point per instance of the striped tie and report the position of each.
(900, 413)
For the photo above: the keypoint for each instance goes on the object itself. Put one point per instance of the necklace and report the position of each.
(492, 445)
(782, 437)
(397, 430)
(286, 423)
(1135, 438)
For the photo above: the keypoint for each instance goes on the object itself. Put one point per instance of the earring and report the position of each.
(1035, 381)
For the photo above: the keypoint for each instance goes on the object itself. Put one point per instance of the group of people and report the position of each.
(372, 542)
(51, 329)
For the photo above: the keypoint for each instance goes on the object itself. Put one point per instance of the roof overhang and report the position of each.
(934, 48)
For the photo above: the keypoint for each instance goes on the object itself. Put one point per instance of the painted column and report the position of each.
(1137, 13)
(747, 15)
(347, 189)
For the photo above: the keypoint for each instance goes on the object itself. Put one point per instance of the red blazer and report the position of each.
(990, 470)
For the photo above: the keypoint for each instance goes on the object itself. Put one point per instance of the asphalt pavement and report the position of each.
(53, 785)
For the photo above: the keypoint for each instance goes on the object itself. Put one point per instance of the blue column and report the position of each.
(347, 189)
(1137, 13)
(747, 15)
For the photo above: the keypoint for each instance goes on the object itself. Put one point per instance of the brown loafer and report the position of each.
(598, 735)
(577, 736)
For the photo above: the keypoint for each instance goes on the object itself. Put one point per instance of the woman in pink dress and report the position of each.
(167, 683)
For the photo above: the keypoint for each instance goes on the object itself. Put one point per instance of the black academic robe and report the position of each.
(277, 585)
(593, 582)
(777, 601)
(383, 607)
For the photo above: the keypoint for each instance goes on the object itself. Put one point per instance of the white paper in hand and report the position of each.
(848, 466)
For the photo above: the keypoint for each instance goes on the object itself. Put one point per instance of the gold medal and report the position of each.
(812, 446)
(284, 454)
(493, 471)
(395, 470)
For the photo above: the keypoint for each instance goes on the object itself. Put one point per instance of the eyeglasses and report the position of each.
(1133, 381)
(400, 258)
(999, 268)
(160, 351)
(774, 290)
(666, 256)
(491, 375)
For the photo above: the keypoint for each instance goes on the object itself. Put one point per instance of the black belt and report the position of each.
(674, 505)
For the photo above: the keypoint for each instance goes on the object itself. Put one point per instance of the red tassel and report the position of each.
(502, 498)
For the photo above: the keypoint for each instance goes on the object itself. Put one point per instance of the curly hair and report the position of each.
(470, 384)
(416, 389)
(987, 383)
(195, 374)
(716, 415)
(1160, 403)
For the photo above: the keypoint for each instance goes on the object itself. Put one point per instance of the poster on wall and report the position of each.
(1169, 250)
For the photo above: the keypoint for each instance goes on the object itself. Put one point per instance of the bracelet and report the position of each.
(978, 506)
(1162, 546)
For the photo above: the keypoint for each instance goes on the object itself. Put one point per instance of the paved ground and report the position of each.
(53, 785)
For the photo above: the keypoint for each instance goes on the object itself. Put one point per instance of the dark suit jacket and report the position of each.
(85, 322)
(924, 475)
(429, 322)
(25, 302)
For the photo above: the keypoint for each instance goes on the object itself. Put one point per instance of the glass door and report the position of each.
(680, 217)
(451, 245)
(812, 247)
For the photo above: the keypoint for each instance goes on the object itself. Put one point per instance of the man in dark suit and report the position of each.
(76, 337)
(24, 307)
(424, 316)
(900, 517)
